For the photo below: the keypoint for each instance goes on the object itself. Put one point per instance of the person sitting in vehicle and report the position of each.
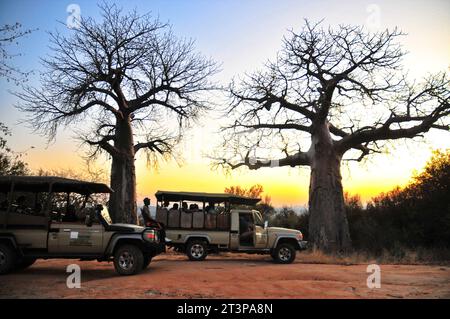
(174, 207)
(162, 212)
(71, 214)
(193, 208)
(210, 209)
(146, 215)
(165, 206)
(20, 205)
(246, 229)
(149, 221)
(184, 207)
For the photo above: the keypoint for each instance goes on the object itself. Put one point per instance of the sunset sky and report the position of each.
(241, 35)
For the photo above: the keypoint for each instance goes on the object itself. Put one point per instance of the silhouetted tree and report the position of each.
(256, 191)
(127, 84)
(10, 162)
(418, 214)
(286, 217)
(339, 92)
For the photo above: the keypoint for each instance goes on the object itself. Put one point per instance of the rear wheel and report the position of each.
(128, 260)
(197, 250)
(8, 258)
(284, 253)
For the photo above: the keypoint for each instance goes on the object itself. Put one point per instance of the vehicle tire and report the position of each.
(24, 263)
(197, 250)
(284, 253)
(147, 261)
(128, 260)
(8, 259)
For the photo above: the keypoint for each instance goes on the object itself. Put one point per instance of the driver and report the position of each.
(246, 229)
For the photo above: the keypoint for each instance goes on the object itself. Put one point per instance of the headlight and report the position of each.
(299, 236)
(150, 235)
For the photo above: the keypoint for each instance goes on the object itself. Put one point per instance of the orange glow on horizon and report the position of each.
(285, 186)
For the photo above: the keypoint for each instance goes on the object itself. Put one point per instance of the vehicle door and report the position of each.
(246, 230)
(260, 235)
(234, 230)
(75, 238)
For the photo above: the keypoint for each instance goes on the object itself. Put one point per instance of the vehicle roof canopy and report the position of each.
(206, 197)
(59, 185)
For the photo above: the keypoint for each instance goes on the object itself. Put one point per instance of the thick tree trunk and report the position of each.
(328, 226)
(122, 203)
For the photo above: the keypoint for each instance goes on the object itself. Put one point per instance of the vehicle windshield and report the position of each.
(258, 219)
(105, 215)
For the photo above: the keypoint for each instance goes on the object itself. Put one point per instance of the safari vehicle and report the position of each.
(227, 223)
(54, 217)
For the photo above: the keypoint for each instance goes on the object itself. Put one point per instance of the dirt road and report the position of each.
(226, 276)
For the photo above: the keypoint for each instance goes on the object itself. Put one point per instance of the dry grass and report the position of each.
(398, 256)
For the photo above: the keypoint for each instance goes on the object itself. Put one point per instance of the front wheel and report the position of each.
(8, 259)
(197, 250)
(128, 260)
(284, 254)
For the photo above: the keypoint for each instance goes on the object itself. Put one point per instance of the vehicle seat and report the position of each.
(186, 219)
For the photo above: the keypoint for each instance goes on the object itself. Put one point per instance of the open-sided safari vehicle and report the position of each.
(54, 217)
(197, 223)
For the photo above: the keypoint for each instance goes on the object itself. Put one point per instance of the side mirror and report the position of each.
(266, 224)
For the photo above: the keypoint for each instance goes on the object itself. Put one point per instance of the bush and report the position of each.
(405, 224)
(288, 218)
(415, 216)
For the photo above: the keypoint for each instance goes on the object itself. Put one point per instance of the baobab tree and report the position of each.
(331, 95)
(125, 84)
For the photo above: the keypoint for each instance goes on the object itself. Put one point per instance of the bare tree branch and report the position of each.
(345, 78)
(297, 159)
(125, 68)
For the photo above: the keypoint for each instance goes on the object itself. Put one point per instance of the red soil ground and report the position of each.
(226, 276)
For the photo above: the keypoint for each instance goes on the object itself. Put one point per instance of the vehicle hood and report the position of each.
(128, 227)
(282, 230)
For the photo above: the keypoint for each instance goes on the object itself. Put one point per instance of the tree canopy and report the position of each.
(345, 76)
(125, 65)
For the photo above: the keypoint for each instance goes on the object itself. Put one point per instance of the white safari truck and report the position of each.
(199, 223)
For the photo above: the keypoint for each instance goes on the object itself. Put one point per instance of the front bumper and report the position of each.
(303, 244)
